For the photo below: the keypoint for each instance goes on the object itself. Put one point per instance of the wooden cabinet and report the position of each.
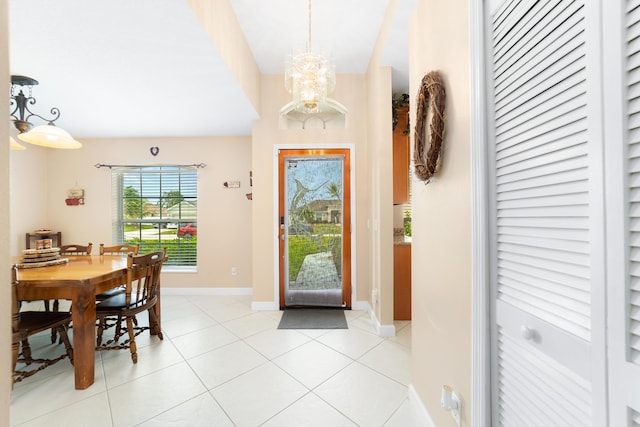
(401, 158)
(55, 236)
(402, 282)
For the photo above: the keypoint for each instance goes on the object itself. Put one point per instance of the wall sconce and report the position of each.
(44, 135)
(15, 145)
(450, 401)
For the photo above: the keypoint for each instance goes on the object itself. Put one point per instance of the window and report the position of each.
(156, 206)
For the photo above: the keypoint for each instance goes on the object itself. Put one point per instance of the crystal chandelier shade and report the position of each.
(309, 77)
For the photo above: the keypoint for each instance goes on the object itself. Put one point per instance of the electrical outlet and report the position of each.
(450, 401)
(234, 271)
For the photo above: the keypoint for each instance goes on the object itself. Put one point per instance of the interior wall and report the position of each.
(224, 215)
(441, 248)
(5, 295)
(381, 192)
(28, 207)
(380, 131)
(350, 92)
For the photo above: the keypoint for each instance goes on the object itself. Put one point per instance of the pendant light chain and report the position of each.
(309, 42)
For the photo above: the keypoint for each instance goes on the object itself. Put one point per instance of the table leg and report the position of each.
(83, 311)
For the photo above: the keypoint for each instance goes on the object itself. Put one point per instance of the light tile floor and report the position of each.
(222, 364)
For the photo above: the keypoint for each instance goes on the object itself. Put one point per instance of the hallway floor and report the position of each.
(223, 364)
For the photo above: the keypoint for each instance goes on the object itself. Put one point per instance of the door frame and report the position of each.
(480, 289)
(276, 217)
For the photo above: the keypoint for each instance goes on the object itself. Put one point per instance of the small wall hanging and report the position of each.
(427, 154)
(75, 197)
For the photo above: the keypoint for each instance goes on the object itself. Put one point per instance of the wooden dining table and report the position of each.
(79, 281)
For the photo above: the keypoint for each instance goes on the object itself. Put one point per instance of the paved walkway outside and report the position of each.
(318, 271)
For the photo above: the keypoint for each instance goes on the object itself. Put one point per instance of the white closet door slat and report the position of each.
(551, 223)
(563, 281)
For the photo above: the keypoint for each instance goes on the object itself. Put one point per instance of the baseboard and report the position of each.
(416, 403)
(381, 330)
(265, 305)
(206, 291)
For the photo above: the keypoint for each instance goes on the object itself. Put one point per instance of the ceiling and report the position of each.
(145, 68)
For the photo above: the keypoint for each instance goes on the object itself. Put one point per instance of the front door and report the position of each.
(315, 228)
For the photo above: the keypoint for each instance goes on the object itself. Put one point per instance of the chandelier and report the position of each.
(47, 135)
(309, 77)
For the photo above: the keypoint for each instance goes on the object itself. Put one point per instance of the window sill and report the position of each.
(179, 269)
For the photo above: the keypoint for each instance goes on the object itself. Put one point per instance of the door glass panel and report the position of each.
(313, 230)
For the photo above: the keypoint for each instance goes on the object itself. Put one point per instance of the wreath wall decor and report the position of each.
(427, 154)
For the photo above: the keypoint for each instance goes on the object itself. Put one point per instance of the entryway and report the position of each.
(315, 227)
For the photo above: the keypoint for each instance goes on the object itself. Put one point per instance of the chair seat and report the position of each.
(32, 322)
(118, 302)
(110, 293)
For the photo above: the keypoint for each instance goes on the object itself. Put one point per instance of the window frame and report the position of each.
(151, 184)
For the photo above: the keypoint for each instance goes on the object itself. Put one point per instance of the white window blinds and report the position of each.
(156, 206)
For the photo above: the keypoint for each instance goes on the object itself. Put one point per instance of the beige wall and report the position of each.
(380, 178)
(41, 177)
(380, 190)
(350, 91)
(441, 217)
(28, 173)
(5, 296)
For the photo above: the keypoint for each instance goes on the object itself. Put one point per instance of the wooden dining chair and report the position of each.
(141, 294)
(76, 249)
(27, 323)
(123, 249)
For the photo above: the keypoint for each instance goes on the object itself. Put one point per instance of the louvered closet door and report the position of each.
(542, 208)
(624, 212)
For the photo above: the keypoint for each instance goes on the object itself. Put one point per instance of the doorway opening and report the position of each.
(315, 228)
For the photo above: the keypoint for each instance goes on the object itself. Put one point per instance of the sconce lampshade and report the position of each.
(46, 135)
(50, 136)
(15, 145)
